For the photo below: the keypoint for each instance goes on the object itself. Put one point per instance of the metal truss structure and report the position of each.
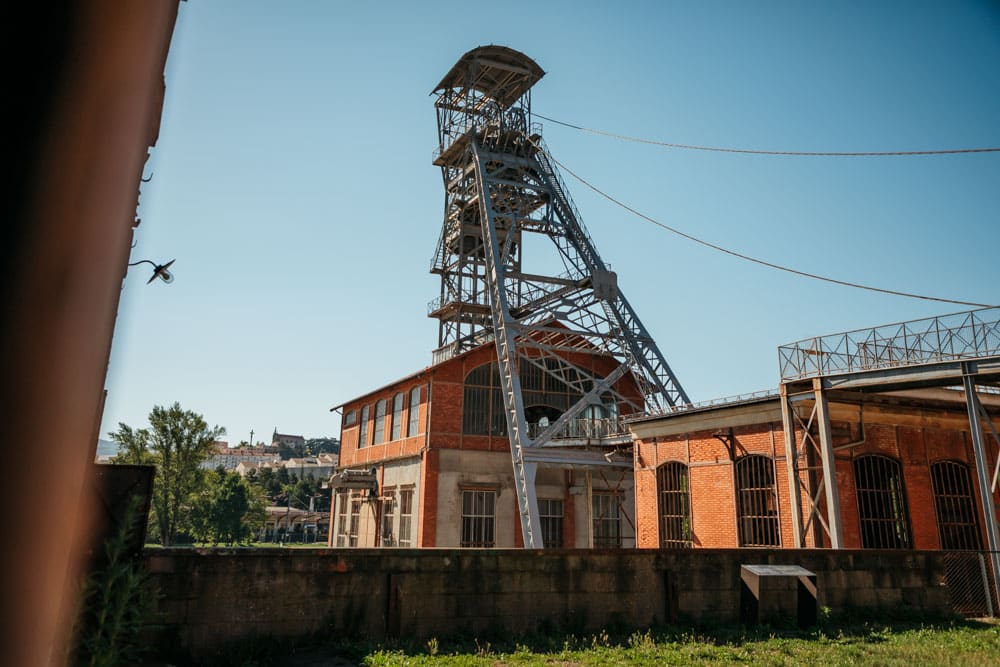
(503, 194)
(958, 350)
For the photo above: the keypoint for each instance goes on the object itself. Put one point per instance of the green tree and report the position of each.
(176, 442)
(316, 446)
(291, 451)
(267, 481)
(283, 477)
(302, 491)
(227, 510)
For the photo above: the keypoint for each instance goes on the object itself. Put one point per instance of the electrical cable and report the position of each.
(717, 149)
(755, 260)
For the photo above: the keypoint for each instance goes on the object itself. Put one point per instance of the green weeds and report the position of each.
(969, 643)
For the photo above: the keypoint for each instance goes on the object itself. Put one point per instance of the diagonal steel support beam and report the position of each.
(600, 386)
(974, 409)
(996, 438)
(504, 329)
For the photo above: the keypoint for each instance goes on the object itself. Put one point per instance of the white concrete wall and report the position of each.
(403, 474)
(460, 470)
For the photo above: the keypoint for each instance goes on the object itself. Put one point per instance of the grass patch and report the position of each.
(969, 643)
(909, 643)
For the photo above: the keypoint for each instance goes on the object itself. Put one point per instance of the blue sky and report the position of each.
(292, 182)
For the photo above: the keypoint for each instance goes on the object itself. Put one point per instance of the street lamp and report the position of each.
(159, 270)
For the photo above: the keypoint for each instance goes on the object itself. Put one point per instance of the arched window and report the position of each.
(397, 416)
(673, 491)
(756, 502)
(363, 428)
(482, 411)
(546, 393)
(378, 429)
(958, 522)
(884, 516)
(414, 416)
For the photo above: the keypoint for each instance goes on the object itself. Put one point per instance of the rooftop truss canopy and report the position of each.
(495, 72)
(957, 350)
(519, 269)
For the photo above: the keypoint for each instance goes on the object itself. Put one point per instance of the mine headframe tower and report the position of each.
(503, 192)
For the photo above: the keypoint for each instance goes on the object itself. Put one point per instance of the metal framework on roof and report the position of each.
(518, 267)
(958, 350)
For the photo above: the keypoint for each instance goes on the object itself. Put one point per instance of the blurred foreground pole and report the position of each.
(85, 89)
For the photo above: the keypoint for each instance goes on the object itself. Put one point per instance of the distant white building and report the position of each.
(317, 467)
(231, 458)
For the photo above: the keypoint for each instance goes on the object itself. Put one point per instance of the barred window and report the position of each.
(388, 509)
(673, 492)
(405, 516)
(363, 429)
(483, 402)
(756, 501)
(958, 522)
(397, 416)
(378, 431)
(606, 519)
(550, 516)
(414, 426)
(885, 518)
(546, 392)
(352, 535)
(478, 518)
(342, 499)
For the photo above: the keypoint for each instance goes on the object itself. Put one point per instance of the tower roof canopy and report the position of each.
(496, 71)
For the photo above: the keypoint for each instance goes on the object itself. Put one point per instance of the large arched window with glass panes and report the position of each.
(882, 511)
(673, 493)
(413, 426)
(378, 428)
(397, 417)
(957, 519)
(482, 408)
(546, 390)
(756, 501)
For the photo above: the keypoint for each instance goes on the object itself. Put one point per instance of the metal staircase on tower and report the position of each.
(518, 268)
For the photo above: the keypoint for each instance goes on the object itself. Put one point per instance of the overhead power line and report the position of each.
(755, 260)
(719, 149)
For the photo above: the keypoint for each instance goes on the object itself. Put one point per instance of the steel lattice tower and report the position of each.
(502, 191)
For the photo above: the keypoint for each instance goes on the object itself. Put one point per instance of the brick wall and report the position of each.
(353, 453)
(215, 598)
(916, 438)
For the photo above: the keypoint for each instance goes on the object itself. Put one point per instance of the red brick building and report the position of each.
(713, 476)
(905, 472)
(437, 445)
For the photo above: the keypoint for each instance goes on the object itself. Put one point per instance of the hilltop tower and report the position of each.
(518, 268)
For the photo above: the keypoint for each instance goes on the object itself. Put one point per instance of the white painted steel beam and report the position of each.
(982, 476)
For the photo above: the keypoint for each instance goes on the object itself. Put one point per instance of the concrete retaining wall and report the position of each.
(212, 598)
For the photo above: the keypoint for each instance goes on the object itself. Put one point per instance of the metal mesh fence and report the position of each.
(970, 583)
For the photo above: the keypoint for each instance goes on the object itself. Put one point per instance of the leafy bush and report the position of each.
(116, 604)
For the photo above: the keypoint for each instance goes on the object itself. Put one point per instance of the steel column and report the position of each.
(834, 529)
(504, 333)
(792, 467)
(982, 474)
